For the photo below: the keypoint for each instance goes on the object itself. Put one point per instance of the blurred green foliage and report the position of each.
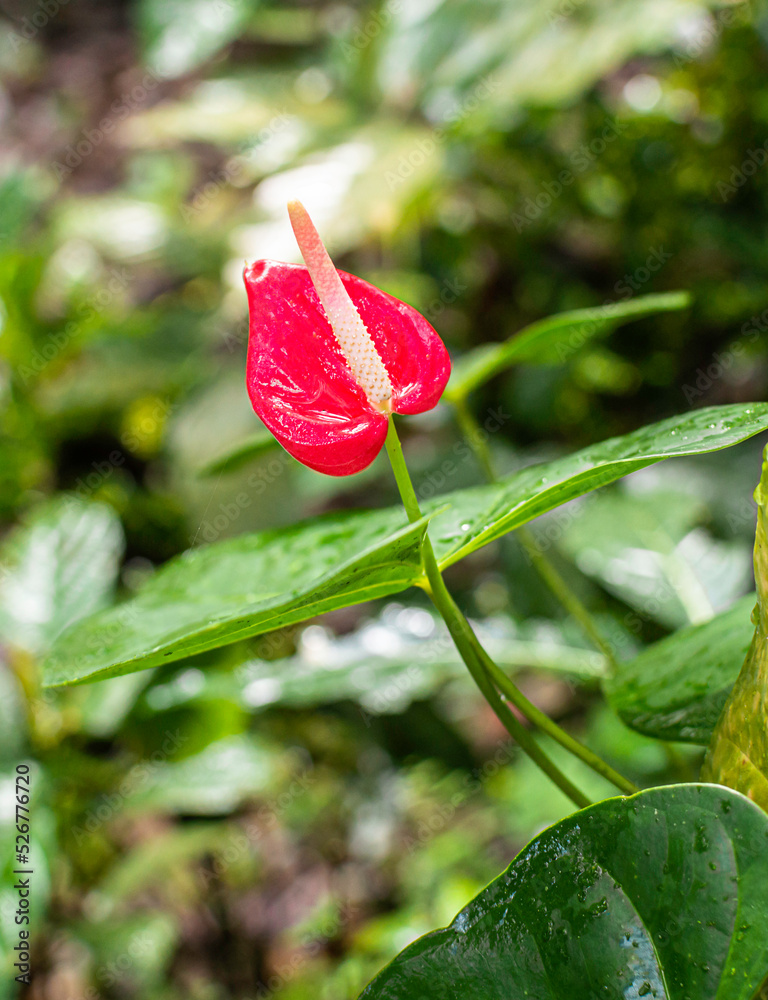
(198, 830)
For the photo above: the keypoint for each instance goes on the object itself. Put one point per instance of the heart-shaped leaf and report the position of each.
(553, 340)
(658, 895)
(676, 688)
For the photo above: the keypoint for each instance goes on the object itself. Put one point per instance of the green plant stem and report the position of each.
(513, 694)
(492, 671)
(544, 566)
(570, 602)
(475, 436)
(461, 632)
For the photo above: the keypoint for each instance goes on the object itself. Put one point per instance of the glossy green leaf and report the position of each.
(57, 568)
(553, 340)
(480, 515)
(214, 595)
(676, 689)
(231, 590)
(659, 895)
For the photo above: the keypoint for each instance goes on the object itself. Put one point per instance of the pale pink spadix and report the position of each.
(330, 357)
(354, 340)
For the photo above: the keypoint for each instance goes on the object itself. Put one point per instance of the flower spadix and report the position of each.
(330, 357)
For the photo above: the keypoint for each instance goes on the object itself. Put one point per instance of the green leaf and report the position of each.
(658, 895)
(179, 36)
(553, 340)
(738, 753)
(480, 515)
(255, 583)
(403, 655)
(57, 568)
(240, 455)
(676, 689)
(384, 670)
(640, 547)
(212, 782)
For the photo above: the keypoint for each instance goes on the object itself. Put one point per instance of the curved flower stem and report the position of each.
(544, 566)
(461, 632)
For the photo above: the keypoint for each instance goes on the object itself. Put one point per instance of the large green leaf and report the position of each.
(180, 36)
(676, 689)
(255, 583)
(659, 895)
(214, 595)
(553, 340)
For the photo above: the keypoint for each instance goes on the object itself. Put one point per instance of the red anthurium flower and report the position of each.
(330, 357)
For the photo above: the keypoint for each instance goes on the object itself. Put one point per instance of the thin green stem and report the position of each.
(461, 632)
(570, 602)
(402, 475)
(547, 725)
(473, 432)
(544, 566)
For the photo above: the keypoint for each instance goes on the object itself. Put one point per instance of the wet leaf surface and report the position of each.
(659, 895)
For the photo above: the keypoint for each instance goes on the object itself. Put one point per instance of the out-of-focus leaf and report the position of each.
(103, 707)
(401, 656)
(480, 66)
(644, 548)
(255, 583)
(142, 943)
(384, 669)
(553, 340)
(57, 568)
(241, 454)
(162, 858)
(179, 36)
(675, 689)
(661, 894)
(214, 781)
(12, 716)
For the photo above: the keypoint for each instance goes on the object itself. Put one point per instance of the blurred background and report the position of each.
(280, 818)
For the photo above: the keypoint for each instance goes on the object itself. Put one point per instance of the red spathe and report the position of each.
(299, 381)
